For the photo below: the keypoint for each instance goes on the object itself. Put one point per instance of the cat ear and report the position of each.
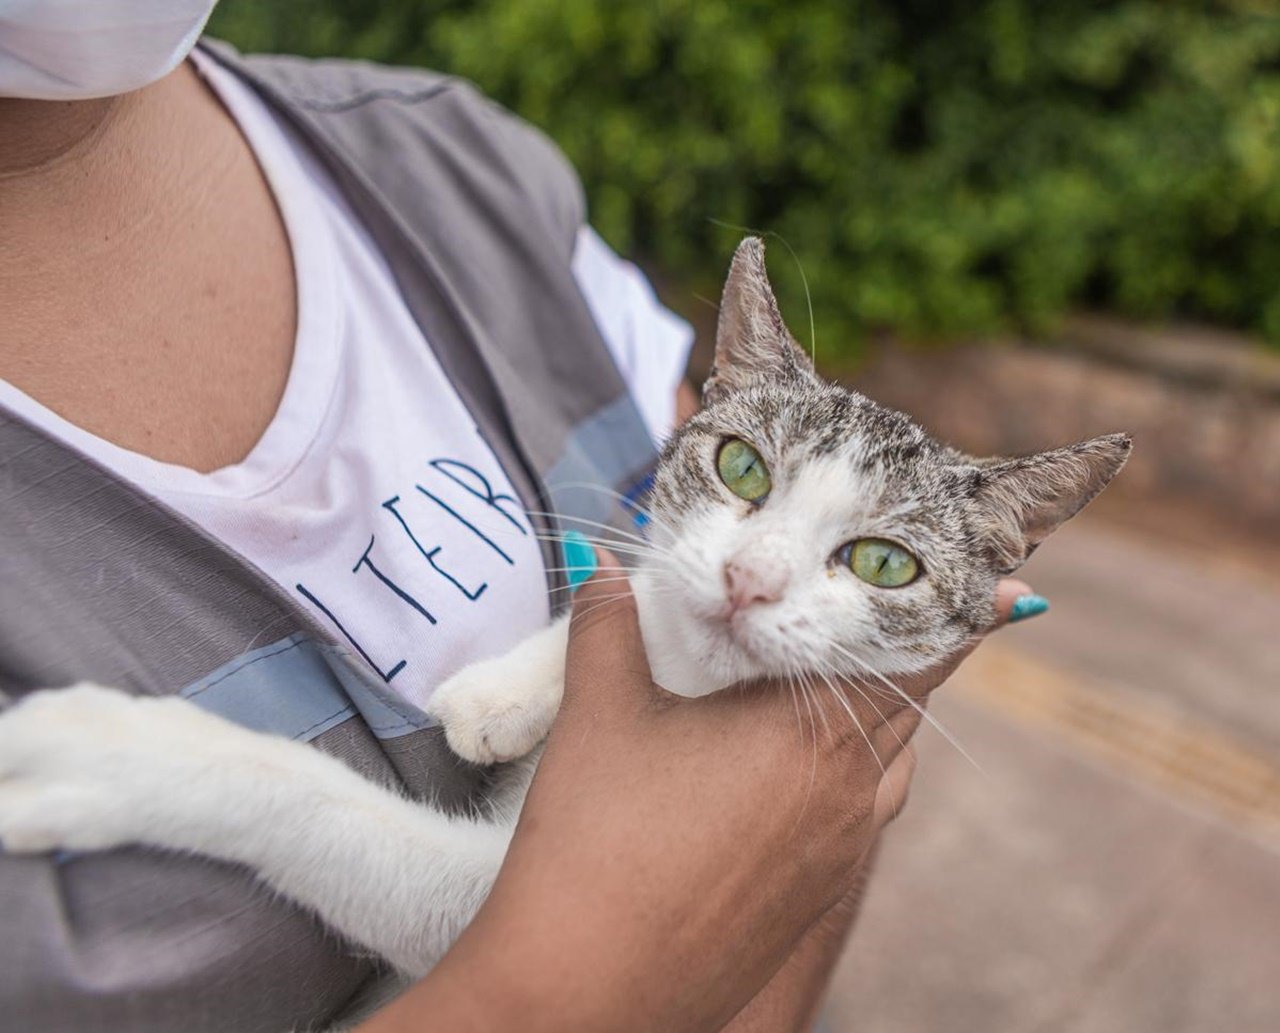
(752, 341)
(1021, 502)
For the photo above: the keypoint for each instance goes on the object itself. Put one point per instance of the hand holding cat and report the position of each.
(695, 842)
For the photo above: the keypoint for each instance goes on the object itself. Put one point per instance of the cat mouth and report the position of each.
(731, 631)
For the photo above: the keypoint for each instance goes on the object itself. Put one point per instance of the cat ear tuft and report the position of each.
(1020, 502)
(752, 341)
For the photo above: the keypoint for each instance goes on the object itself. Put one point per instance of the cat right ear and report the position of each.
(1020, 502)
(752, 341)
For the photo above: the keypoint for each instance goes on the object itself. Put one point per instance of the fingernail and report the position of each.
(1026, 606)
(579, 558)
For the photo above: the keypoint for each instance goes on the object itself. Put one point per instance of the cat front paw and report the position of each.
(49, 797)
(89, 768)
(487, 719)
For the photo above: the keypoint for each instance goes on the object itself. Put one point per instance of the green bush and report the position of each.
(939, 168)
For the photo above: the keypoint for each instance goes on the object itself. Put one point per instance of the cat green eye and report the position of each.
(881, 563)
(743, 471)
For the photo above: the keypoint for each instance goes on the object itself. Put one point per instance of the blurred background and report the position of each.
(1024, 223)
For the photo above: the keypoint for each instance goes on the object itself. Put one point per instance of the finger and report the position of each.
(606, 649)
(1016, 601)
(898, 729)
(891, 794)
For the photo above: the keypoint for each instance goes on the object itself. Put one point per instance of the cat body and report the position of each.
(797, 531)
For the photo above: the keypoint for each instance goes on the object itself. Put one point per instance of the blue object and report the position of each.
(631, 501)
(1028, 606)
(579, 558)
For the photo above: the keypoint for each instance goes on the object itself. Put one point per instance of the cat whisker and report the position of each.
(259, 636)
(653, 589)
(818, 703)
(665, 588)
(861, 691)
(628, 504)
(601, 581)
(624, 594)
(629, 571)
(813, 763)
(924, 714)
(567, 519)
(652, 560)
(622, 548)
(638, 546)
(596, 604)
(791, 687)
(650, 574)
(624, 552)
(840, 698)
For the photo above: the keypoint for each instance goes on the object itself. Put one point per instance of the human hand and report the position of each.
(671, 853)
(792, 998)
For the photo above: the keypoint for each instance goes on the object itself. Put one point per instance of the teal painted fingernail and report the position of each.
(579, 558)
(1028, 606)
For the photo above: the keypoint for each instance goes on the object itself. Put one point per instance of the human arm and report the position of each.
(630, 901)
(792, 999)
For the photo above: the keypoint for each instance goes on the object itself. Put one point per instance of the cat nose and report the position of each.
(748, 583)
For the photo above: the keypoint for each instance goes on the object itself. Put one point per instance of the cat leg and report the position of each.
(88, 768)
(500, 709)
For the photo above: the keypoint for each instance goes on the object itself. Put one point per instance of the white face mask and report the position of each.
(77, 49)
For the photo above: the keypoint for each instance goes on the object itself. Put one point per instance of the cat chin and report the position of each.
(683, 658)
(692, 654)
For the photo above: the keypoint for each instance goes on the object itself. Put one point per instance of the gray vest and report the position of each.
(476, 214)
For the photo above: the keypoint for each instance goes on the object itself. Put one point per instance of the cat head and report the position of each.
(798, 527)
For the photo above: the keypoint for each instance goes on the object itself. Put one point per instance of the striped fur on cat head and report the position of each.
(743, 587)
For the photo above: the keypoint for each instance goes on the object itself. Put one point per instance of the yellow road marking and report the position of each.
(1188, 758)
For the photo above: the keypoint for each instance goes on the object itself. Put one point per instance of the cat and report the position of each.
(797, 529)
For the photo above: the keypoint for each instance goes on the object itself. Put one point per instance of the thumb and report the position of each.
(606, 651)
(1016, 601)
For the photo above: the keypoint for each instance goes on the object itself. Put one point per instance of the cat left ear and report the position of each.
(1021, 502)
(752, 341)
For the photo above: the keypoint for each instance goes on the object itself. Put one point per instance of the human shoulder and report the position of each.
(421, 118)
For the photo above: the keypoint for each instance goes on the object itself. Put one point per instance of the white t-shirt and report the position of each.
(371, 496)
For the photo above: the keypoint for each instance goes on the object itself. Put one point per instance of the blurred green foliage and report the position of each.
(941, 168)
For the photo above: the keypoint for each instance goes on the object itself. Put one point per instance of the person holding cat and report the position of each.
(302, 363)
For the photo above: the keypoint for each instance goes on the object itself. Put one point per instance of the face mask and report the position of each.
(77, 49)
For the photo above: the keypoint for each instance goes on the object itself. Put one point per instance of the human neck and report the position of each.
(40, 134)
(137, 238)
(83, 177)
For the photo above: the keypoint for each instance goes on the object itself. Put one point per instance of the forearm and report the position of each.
(793, 998)
(492, 980)
(482, 984)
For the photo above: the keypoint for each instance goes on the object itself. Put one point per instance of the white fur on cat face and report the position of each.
(824, 616)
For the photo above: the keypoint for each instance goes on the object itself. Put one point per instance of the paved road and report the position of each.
(1193, 626)
(1115, 865)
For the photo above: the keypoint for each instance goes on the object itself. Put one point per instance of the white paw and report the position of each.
(488, 719)
(84, 768)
